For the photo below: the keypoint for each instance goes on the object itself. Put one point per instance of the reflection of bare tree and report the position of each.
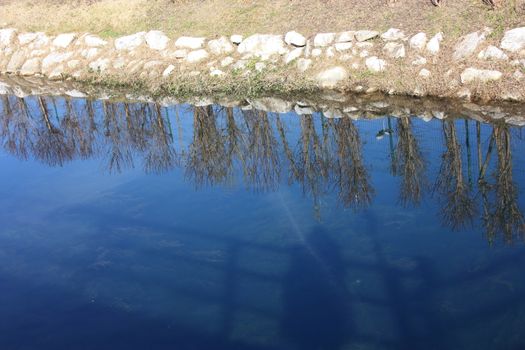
(160, 155)
(409, 163)
(351, 176)
(15, 129)
(51, 145)
(506, 216)
(261, 166)
(458, 207)
(119, 155)
(207, 152)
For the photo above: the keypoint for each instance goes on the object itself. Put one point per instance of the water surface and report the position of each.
(135, 226)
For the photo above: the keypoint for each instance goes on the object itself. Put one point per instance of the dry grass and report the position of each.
(210, 17)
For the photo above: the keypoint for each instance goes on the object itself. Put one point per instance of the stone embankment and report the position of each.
(393, 62)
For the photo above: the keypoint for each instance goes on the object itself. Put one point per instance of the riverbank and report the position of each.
(477, 66)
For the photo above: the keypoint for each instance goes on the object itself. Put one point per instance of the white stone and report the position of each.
(216, 73)
(75, 93)
(295, 39)
(514, 40)
(518, 75)
(99, 65)
(7, 36)
(395, 50)
(130, 42)
(260, 66)
(236, 39)
(54, 58)
(425, 73)
(90, 53)
(156, 40)
(26, 38)
(393, 34)
(419, 61)
(94, 41)
(56, 73)
(364, 35)
(324, 39)
(263, 45)
(197, 56)
(303, 110)
(64, 40)
(364, 54)
(492, 53)
(346, 57)
(188, 42)
(168, 70)
(241, 64)
(340, 47)
(151, 64)
(227, 61)
(36, 53)
(271, 104)
(73, 64)
(303, 64)
(293, 55)
(472, 74)
(433, 45)
(317, 52)
(330, 52)
(418, 41)
(375, 64)
(345, 37)
(331, 77)
(180, 54)
(220, 46)
(468, 45)
(30, 67)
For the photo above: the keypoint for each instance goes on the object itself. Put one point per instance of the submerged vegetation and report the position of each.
(326, 155)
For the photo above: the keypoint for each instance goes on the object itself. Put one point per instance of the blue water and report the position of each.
(136, 226)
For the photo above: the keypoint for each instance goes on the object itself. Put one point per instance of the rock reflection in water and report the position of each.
(230, 145)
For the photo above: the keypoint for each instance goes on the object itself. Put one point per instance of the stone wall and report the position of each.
(330, 60)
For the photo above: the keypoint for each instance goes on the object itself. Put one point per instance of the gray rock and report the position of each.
(295, 39)
(331, 77)
(482, 75)
(375, 64)
(130, 42)
(263, 45)
(188, 42)
(418, 41)
(364, 35)
(395, 50)
(156, 40)
(468, 45)
(514, 40)
(64, 40)
(393, 34)
(90, 53)
(493, 53)
(220, 46)
(324, 39)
